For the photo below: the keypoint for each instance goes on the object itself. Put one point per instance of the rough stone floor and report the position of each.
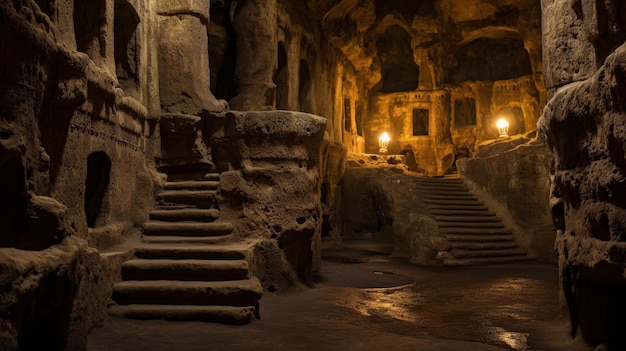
(366, 301)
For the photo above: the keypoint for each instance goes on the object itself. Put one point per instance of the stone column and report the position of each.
(584, 125)
(184, 75)
(254, 23)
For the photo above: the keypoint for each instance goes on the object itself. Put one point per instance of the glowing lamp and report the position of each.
(383, 142)
(503, 128)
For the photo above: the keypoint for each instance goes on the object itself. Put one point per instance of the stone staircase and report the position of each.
(475, 235)
(189, 266)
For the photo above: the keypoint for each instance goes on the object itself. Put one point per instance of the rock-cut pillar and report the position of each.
(254, 23)
(184, 74)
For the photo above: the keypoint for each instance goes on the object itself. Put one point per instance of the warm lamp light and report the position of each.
(503, 128)
(383, 142)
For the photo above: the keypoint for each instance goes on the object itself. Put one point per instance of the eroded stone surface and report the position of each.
(583, 126)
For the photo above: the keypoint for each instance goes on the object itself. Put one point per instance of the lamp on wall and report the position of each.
(383, 142)
(503, 128)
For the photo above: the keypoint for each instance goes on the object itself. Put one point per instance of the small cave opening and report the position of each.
(410, 159)
(400, 73)
(50, 309)
(222, 51)
(611, 22)
(326, 227)
(359, 116)
(488, 59)
(281, 79)
(347, 114)
(126, 47)
(13, 202)
(305, 88)
(87, 16)
(96, 185)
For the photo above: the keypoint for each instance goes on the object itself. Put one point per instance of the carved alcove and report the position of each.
(96, 188)
(127, 48)
(399, 70)
(281, 79)
(305, 88)
(88, 17)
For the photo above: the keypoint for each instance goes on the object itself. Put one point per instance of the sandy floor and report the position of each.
(380, 304)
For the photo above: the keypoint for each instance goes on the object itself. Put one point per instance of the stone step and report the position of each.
(452, 181)
(479, 231)
(462, 213)
(468, 219)
(484, 261)
(464, 225)
(478, 238)
(490, 245)
(467, 197)
(487, 253)
(185, 214)
(426, 190)
(191, 175)
(239, 293)
(184, 269)
(182, 239)
(459, 192)
(198, 198)
(453, 203)
(458, 207)
(191, 251)
(160, 228)
(191, 185)
(217, 314)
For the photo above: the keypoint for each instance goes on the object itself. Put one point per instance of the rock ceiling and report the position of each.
(436, 26)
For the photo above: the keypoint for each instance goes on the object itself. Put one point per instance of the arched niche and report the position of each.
(96, 185)
(222, 51)
(126, 47)
(488, 59)
(87, 25)
(411, 161)
(281, 79)
(305, 88)
(13, 198)
(399, 70)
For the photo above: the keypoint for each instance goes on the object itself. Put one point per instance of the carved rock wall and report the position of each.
(502, 175)
(583, 124)
(388, 209)
(270, 185)
(73, 163)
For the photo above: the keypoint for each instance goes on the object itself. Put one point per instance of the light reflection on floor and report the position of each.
(490, 313)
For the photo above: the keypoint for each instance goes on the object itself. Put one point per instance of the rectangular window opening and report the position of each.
(421, 122)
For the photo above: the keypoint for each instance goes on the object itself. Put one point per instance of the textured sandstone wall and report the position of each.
(583, 125)
(387, 210)
(512, 177)
(270, 188)
(73, 155)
